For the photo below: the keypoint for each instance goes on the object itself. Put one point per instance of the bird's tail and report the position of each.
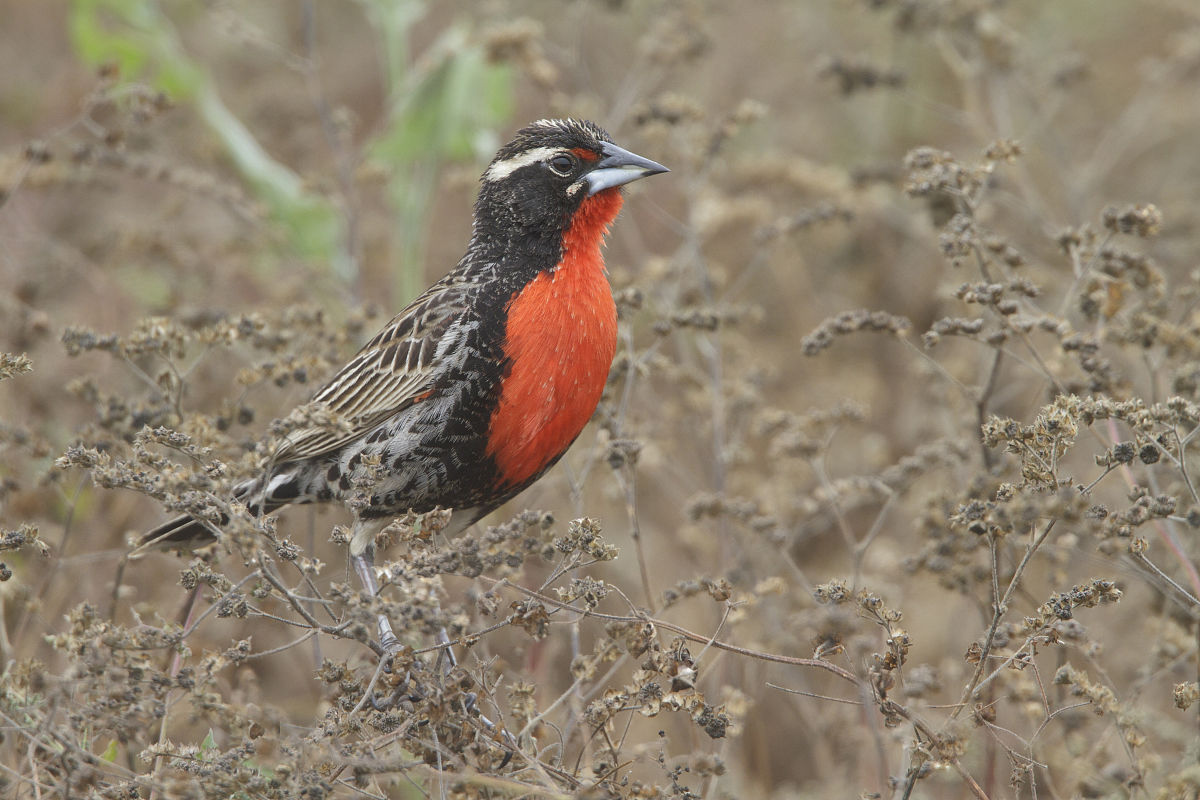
(186, 530)
(182, 530)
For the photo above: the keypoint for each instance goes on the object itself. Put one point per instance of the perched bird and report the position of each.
(471, 393)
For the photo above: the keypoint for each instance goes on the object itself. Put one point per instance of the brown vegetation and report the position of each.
(893, 493)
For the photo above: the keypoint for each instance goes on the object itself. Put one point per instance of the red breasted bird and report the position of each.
(471, 393)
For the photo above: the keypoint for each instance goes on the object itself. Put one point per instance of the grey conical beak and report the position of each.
(618, 167)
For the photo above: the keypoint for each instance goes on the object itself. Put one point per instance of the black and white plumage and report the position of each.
(431, 404)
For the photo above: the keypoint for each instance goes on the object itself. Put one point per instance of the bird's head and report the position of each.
(552, 167)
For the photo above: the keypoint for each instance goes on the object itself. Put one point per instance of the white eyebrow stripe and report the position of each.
(502, 169)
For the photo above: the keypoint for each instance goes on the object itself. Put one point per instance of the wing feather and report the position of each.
(390, 373)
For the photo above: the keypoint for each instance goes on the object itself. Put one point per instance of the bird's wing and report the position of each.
(391, 372)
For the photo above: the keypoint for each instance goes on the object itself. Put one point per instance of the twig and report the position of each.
(999, 611)
(695, 637)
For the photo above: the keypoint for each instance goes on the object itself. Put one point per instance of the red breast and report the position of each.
(560, 339)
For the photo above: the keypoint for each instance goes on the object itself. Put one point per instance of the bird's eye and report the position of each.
(562, 164)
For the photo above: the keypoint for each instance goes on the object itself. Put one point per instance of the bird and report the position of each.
(481, 384)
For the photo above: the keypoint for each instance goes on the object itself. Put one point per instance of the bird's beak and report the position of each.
(618, 167)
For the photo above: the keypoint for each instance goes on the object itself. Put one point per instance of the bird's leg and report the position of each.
(362, 555)
(447, 654)
(364, 565)
(448, 651)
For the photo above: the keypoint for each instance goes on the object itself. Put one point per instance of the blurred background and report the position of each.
(311, 166)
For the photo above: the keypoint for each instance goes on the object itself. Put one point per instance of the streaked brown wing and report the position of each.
(390, 373)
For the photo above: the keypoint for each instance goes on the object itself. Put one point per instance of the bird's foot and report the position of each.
(403, 690)
(389, 644)
(387, 638)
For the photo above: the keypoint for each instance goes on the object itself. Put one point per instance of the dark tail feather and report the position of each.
(184, 530)
(187, 530)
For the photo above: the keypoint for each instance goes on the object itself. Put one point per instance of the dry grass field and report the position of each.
(892, 493)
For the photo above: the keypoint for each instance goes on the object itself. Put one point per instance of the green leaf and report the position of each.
(142, 42)
(439, 112)
(209, 746)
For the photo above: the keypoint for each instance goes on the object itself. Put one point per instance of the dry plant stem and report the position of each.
(999, 611)
(693, 248)
(1142, 559)
(18, 778)
(860, 549)
(1088, 489)
(368, 692)
(620, 743)
(298, 606)
(994, 558)
(981, 408)
(639, 76)
(572, 565)
(1169, 538)
(598, 685)
(190, 621)
(759, 259)
(575, 706)
(1031, 665)
(176, 666)
(576, 482)
(1046, 372)
(940, 369)
(975, 788)
(924, 730)
(628, 480)
(995, 730)
(869, 703)
(97, 97)
(502, 786)
(633, 609)
(438, 778)
(259, 612)
(114, 600)
(51, 741)
(47, 576)
(1182, 443)
(195, 623)
(966, 71)
(304, 637)
(547, 772)
(5, 644)
(805, 584)
(189, 626)
(684, 632)
(1185, 562)
(557, 702)
(817, 463)
(815, 696)
(316, 599)
(716, 631)
(1081, 271)
(638, 361)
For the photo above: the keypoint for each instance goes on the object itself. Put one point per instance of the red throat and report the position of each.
(560, 338)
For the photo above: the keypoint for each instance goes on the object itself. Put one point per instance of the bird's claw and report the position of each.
(403, 690)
